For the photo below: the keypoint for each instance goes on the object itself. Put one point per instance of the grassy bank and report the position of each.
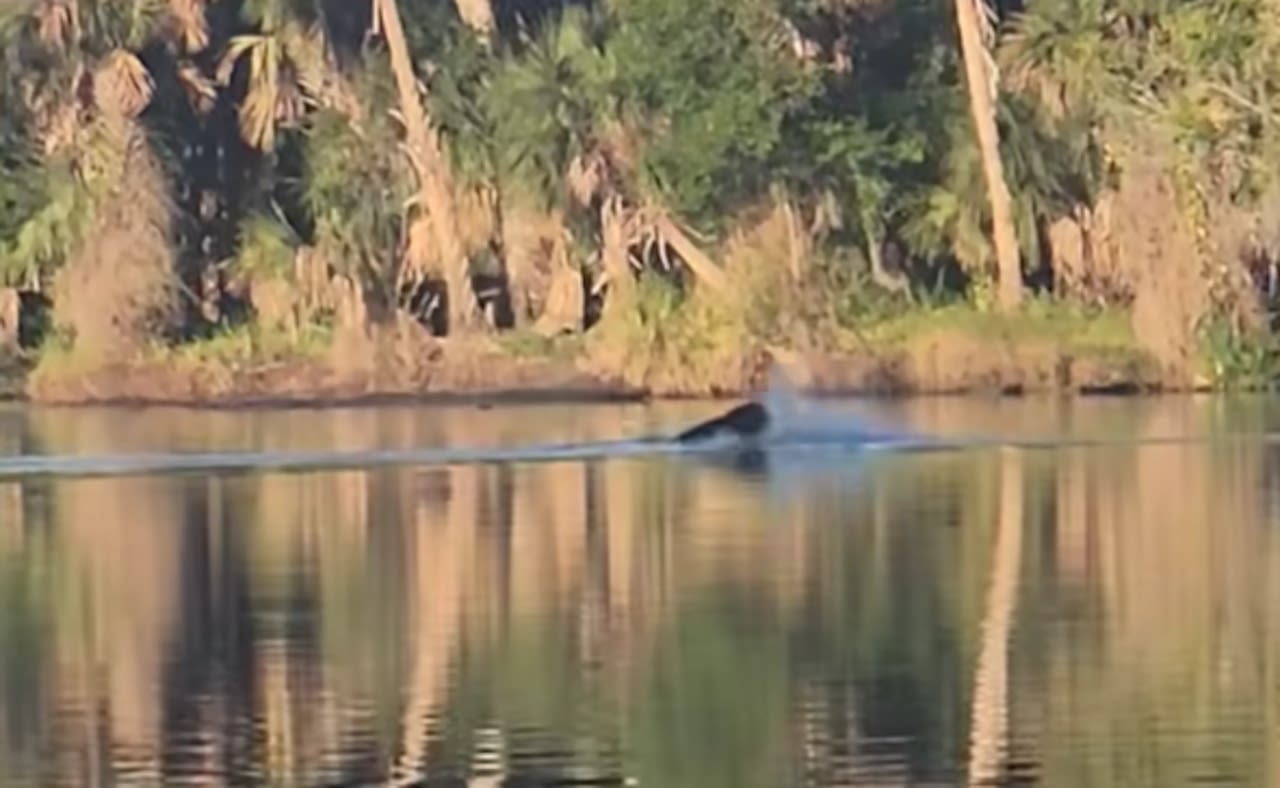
(952, 349)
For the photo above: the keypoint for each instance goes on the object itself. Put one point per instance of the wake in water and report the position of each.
(782, 417)
(780, 425)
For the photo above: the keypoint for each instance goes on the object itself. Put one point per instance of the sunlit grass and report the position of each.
(1039, 321)
(251, 343)
(530, 344)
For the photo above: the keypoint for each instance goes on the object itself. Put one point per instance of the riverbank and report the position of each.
(943, 353)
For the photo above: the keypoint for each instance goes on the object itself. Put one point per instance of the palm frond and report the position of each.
(57, 23)
(290, 72)
(190, 26)
(201, 92)
(551, 109)
(257, 110)
(122, 84)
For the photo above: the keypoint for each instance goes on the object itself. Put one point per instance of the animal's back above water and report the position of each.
(744, 421)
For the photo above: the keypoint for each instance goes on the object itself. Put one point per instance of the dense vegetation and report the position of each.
(668, 189)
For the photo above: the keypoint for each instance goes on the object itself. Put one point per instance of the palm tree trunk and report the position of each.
(423, 147)
(613, 255)
(982, 105)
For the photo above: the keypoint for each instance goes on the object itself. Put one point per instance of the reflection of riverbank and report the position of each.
(630, 618)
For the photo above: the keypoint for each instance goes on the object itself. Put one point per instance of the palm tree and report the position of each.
(436, 196)
(563, 139)
(83, 95)
(548, 108)
(285, 76)
(972, 20)
(1060, 53)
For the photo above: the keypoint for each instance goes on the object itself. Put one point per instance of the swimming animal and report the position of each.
(746, 421)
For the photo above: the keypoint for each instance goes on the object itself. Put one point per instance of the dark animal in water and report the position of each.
(748, 420)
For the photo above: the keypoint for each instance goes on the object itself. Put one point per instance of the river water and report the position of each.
(1081, 616)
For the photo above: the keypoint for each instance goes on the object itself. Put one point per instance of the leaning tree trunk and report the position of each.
(702, 266)
(982, 98)
(422, 144)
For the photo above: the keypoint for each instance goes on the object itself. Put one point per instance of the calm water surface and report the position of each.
(1077, 617)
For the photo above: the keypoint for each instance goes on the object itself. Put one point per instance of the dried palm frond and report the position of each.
(307, 49)
(421, 249)
(257, 119)
(236, 49)
(291, 102)
(199, 89)
(58, 23)
(55, 106)
(656, 226)
(477, 211)
(257, 110)
(122, 84)
(619, 146)
(288, 69)
(190, 25)
(339, 95)
(477, 15)
(587, 174)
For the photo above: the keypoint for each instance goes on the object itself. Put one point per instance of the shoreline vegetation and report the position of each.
(963, 353)
(308, 201)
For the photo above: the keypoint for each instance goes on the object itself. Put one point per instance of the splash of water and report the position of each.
(783, 400)
(794, 417)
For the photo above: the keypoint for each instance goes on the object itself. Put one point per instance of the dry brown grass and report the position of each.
(304, 294)
(10, 317)
(397, 356)
(530, 239)
(1160, 250)
(1174, 249)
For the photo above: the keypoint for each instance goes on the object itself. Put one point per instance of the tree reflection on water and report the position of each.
(1085, 616)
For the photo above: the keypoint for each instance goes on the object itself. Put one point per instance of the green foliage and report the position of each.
(42, 217)
(119, 24)
(851, 167)
(708, 85)
(236, 347)
(269, 15)
(456, 97)
(356, 186)
(49, 207)
(1040, 320)
(266, 247)
(1050, 166)
(657, 310)
(1193, 73)
(1236, 359)
(551, 104)
(857, 301)
(432, 29)
(677, 339)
